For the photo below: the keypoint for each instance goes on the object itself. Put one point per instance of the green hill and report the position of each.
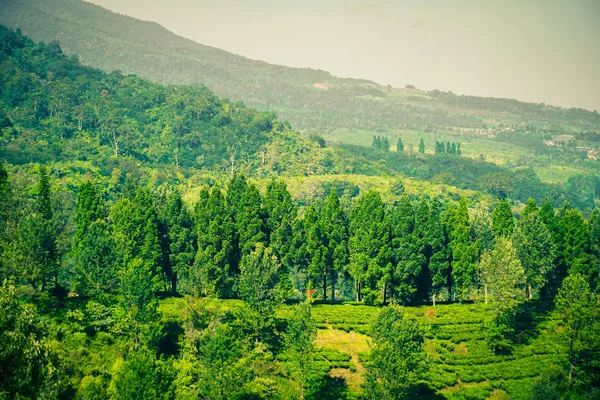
(54, 110)
(307, 98)
(556, 143)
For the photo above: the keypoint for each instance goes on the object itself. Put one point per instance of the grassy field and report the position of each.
(309, 187)
(500, 153)
(462, 366)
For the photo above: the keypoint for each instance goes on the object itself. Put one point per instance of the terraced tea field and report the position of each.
(461, 364)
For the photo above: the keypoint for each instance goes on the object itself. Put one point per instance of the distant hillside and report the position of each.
(309, 99)
(54, 109)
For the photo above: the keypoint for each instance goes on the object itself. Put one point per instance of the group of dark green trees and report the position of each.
(447, 148)
(408, 252)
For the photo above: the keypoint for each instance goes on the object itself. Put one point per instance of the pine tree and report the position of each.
(385, 143)
(534, 247)
(464, 251)
(334, 225)
(408, 260)
(369, 246)
(281, 215)
(421, 232)
(179, 238)
(249, 220)
(316, 249)
(458, 150)
(502, 220)
(576, 243)
(399, 145)
(136, 234)
(215, 266)
(95, 258)
(39, 238)
(93, 245)
(530, 207)
(421, 146)
(439, 263)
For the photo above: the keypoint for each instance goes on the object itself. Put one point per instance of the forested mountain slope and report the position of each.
(54, 109)
(307, 98)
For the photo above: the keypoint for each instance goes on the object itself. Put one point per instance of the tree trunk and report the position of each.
(530, 292)
(174, 282)
(384, 293)
(433, 298)
(332, 290)
(325, 285)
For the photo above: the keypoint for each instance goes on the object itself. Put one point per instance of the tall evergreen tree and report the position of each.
(399, 145)
(534, 247)
(576, 243)
(503, 221)
(136, 234)
(215, 266)
(93, 245)
(422, 234)
(530, 207)
(421, 146)
(385, 143)
(281, 215)
(369, 246)
(439, 263)
(464, 251)
(316, 249)
(179, 238)
(37, 237)
(408, 260)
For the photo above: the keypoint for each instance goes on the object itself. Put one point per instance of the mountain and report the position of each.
(309, 99)
(53, 109)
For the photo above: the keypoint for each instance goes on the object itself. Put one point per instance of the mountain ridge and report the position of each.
(308, 98)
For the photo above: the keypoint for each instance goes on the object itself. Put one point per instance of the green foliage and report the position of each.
(142, 377)
(400, 145)
(397, 356)
(535, 249)
(463, 249)
(369, 246)
(260, 286)
(502, 273)
(299, 344)
(579, 312)
(502, 220)
(28, 367)
(214, 268)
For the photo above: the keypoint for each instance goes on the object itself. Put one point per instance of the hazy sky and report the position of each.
(538, 50)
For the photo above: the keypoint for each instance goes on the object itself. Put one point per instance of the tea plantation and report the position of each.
(461, 363)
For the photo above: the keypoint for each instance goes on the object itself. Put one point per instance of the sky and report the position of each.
(544, 51)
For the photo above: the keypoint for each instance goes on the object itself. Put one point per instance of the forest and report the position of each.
(151, 248)
(103, 271)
